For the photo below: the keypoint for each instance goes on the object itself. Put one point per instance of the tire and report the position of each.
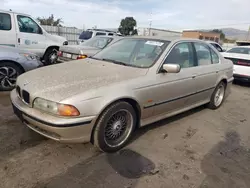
(119, 118)
(8, 75)
(48, 56)
(217, 99)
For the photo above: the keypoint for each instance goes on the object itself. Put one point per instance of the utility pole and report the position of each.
(150, 24)
(248, 33)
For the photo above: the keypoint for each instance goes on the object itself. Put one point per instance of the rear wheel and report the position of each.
(115, 127)
(8, 75)
(218, 96)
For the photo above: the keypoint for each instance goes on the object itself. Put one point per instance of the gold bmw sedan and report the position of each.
(132, 83)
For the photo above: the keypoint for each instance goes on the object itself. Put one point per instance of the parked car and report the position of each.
(240, 56)
(21, 31)
(90, 33)
(14, 62)
(216, 45)
(131, 83)
(86, 49)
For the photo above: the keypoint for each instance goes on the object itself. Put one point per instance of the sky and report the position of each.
(165, 14)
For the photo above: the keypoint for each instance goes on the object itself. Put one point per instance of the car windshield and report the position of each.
(97, 42)
(85, 35)
(133, 52)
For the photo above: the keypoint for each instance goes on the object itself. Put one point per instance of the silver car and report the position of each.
(14, 62)
(131, 83)
(85, 49)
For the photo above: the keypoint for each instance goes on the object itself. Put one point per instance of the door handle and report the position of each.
(18, 40)
(193, 76)
(217, 72)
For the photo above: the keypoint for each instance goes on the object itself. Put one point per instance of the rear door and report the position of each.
(207, 71)
(7, 29)
(30, 36)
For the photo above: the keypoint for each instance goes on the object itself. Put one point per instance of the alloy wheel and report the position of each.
(118, 128)
(8, 76)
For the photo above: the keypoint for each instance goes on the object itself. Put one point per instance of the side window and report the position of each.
(99, 33)
(203, 54)
(27, 25)
(110, 34)
(215, 57)
(5, 22)
(218, 48)
(183, 55)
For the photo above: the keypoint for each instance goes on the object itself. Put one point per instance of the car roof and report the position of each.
(240, 47)
(171, 39)
(7, 11)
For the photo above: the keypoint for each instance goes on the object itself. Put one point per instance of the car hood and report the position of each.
(61, 81)
(79, 49)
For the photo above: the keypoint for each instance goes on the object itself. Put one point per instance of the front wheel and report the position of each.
(50, 57)
(115, 127)
(218, 96)
(8, 75)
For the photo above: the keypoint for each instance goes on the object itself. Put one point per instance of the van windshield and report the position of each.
(85, 35)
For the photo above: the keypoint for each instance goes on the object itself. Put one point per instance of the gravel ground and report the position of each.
(200, 148)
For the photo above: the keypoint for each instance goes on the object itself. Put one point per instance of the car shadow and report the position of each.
(120, 169)
(227, 165)
(143, 130)
(240, 83)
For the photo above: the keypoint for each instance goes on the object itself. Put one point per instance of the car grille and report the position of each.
(24, 95)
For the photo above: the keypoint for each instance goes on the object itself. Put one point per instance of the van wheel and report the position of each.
(8, 75)
(218, 96)
(115, 127)
(50, 57)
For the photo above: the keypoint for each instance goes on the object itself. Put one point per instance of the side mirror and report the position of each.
(171, 68)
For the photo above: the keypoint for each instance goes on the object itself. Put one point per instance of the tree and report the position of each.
(50, 21)
(222, 35)
(127, 26)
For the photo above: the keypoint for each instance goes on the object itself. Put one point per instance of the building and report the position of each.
(202, 35)
(157, 32)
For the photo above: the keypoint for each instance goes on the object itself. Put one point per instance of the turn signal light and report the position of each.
(82, 56)
(67, 110)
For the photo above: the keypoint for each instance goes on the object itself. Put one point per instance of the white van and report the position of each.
(21, 31)
(89, 33)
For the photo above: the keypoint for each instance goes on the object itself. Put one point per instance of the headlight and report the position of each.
(29, 56)
(55, 108)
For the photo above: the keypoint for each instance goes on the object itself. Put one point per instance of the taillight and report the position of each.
(59, 53)
(81, 57)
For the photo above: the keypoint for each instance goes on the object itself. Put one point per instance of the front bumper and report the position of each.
(68, 130)
(244, 78)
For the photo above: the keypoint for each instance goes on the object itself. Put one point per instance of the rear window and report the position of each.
(241, 62)
(5, 22)
(85, 35)
(239, 50)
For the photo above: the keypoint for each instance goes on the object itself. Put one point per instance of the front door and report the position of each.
(173, 91)
(7, 30)
(30, 35)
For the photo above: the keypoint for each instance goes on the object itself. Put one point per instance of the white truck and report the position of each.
(22, 31)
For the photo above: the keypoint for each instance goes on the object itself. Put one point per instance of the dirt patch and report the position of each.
(227, 164)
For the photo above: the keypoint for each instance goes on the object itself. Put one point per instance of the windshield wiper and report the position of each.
(114, 61)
